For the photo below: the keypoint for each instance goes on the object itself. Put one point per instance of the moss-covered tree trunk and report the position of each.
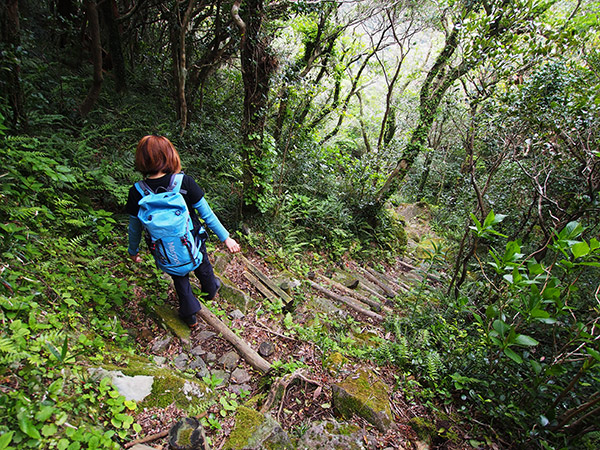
(437, 82)
(258, 64)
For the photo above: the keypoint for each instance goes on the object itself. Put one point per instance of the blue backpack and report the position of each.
(167, 221)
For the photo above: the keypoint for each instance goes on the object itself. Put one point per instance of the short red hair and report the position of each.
(155, 154)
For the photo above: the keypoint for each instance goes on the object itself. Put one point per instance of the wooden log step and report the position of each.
(247, 352)
(354, 304)
(377, 306)
(260, 287)
(389, 292)
(264, 279)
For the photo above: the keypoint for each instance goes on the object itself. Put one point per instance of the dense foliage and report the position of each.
(486, 111)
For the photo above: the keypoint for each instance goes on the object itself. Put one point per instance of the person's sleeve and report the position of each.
(135, 235)
(212, 221)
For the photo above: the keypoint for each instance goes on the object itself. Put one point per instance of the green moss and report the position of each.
(366, 396)
(424, 429)
(334, 362)
(247, 422)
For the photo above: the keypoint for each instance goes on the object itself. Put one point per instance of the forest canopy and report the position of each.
(308, 123)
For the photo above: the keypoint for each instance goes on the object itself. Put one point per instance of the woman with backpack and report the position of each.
(166, 204)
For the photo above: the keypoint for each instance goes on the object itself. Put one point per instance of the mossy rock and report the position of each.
(169, 386)
(234, 296)
(222, 260)
(334, 363)
(425, 429)
(332, 435)
(365, 395)
(254, 430)
(170, 319)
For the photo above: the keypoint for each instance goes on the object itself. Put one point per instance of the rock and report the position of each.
(238, 388)
(229, 360)
(197, 351)
(224, 376)
(365, 395)
(240, 376)
(159, 360)
(142, 447)
(202, 372)
(222, 260)
(181, 361)
(236, 314)
(210, 357)
(332, 435)
(187, 434)
(254, 430)
(266, 349)
(197, 364)
(172, 322)
(334, 363)
(234, 296)
(135, 388)
(161, 345)
(205, 335)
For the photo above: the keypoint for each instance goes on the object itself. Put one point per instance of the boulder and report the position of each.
(254, 430)
(365, 395)
(332, 435)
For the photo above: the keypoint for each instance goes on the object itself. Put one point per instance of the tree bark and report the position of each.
(178, 32)
(91, 10)
(257, 67)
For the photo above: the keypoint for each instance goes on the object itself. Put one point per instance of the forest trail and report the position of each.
(284, 321)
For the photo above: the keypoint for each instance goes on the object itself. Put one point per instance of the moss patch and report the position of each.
(365, 395)
(171, 320)
(247, 422)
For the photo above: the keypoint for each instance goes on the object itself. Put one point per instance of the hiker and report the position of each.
(158, 161)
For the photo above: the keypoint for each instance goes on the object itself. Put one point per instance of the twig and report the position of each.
(156, 436)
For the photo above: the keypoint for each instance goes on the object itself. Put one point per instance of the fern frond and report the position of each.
(8, 346)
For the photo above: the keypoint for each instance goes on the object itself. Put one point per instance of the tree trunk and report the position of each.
(11, 40)
(91, 10)
(257, 67)
(115, 47)
(178, 30)
(432, 92)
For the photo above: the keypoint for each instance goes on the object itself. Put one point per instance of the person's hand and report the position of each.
(135, 258)
(232, 245)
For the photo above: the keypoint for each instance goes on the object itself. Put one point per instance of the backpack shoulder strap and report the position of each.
(176, 182)
(143, 188)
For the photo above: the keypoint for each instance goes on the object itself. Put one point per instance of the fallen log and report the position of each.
(247, 352)
(262, 277)
(345, 300)
(156, 436)
(416, 269)
(260, 287)
(375, 304)
(375, 280)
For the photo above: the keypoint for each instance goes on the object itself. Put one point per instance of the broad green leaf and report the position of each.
(580, 249)
(27, 427)
(5, 439)
(525, 341)
(512, 355)
(500, 326)
(536, 366)
(49, 430)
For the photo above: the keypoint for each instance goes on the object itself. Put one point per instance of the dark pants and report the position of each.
(188, 304)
